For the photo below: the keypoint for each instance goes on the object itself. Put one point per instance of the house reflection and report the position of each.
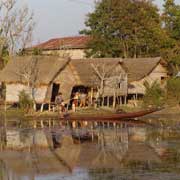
(30, 153)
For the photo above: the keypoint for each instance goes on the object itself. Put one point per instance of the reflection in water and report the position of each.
(88, 151)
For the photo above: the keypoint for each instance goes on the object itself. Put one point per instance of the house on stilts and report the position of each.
(141, 70)
(43, 77)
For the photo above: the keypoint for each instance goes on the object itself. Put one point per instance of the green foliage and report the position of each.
(172, 56)
(171, 21)
(124, 28)
(173, 87)
(154, 95)
(25, 101)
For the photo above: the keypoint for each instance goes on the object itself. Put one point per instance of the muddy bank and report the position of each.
(165, 117)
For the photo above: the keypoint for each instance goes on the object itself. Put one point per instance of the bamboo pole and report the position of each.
(125, 100)
(108, 101)
(92, 95)
(120, 100)
(114, 100)
(102, 101)
(42, 107)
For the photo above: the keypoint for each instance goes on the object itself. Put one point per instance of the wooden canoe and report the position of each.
(110, 117)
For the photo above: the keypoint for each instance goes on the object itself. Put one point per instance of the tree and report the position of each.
(173, 89)
(154, 95)
(124, 28)
(101, 74)
(171, 19)
(16, 26)
(171, 22)
(108, 77)
(29, 73)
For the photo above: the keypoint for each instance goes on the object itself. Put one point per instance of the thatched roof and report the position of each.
(43, 69)
(84, 72)
(139, 68)
(48, 67)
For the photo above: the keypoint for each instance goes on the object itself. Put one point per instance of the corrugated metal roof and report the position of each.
(76, 42)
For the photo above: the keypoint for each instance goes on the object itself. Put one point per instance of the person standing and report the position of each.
(75, 102)
(83, 97)
(60, 103)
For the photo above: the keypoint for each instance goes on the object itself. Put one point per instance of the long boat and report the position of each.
(110, 117)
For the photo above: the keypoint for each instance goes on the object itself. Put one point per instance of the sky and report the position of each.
(59, 18)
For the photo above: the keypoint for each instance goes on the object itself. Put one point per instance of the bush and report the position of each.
(25, 101)
(173, 91)
(154, 95)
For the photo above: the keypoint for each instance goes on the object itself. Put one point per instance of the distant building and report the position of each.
(72, 47)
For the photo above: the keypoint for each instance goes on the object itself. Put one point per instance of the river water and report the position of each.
(53, 150)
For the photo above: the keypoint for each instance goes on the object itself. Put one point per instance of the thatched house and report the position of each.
(94, 72)
(44, 76)
(73, 47)
(142, 70)
(35, 75)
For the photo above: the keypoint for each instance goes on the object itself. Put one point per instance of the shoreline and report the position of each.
(168, 113)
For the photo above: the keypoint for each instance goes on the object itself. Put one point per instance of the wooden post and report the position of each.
(108, 101)
(103, 101)
(134, 97)
(92, 133)
(49, 107)
(125, 100)
(114, 100)
(34, 106)
(120, 100)
(42, 107)
(92, 96)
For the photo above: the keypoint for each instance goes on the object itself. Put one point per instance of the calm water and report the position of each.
(53, 150)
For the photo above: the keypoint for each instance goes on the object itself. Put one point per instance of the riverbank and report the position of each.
(167, 114)
(170, 116)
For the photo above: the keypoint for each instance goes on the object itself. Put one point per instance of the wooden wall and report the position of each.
(13, 90)
(72, 53)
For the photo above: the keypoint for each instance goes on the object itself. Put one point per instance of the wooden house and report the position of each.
(36, 75)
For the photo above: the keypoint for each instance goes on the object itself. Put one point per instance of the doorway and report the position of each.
(55, 91)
